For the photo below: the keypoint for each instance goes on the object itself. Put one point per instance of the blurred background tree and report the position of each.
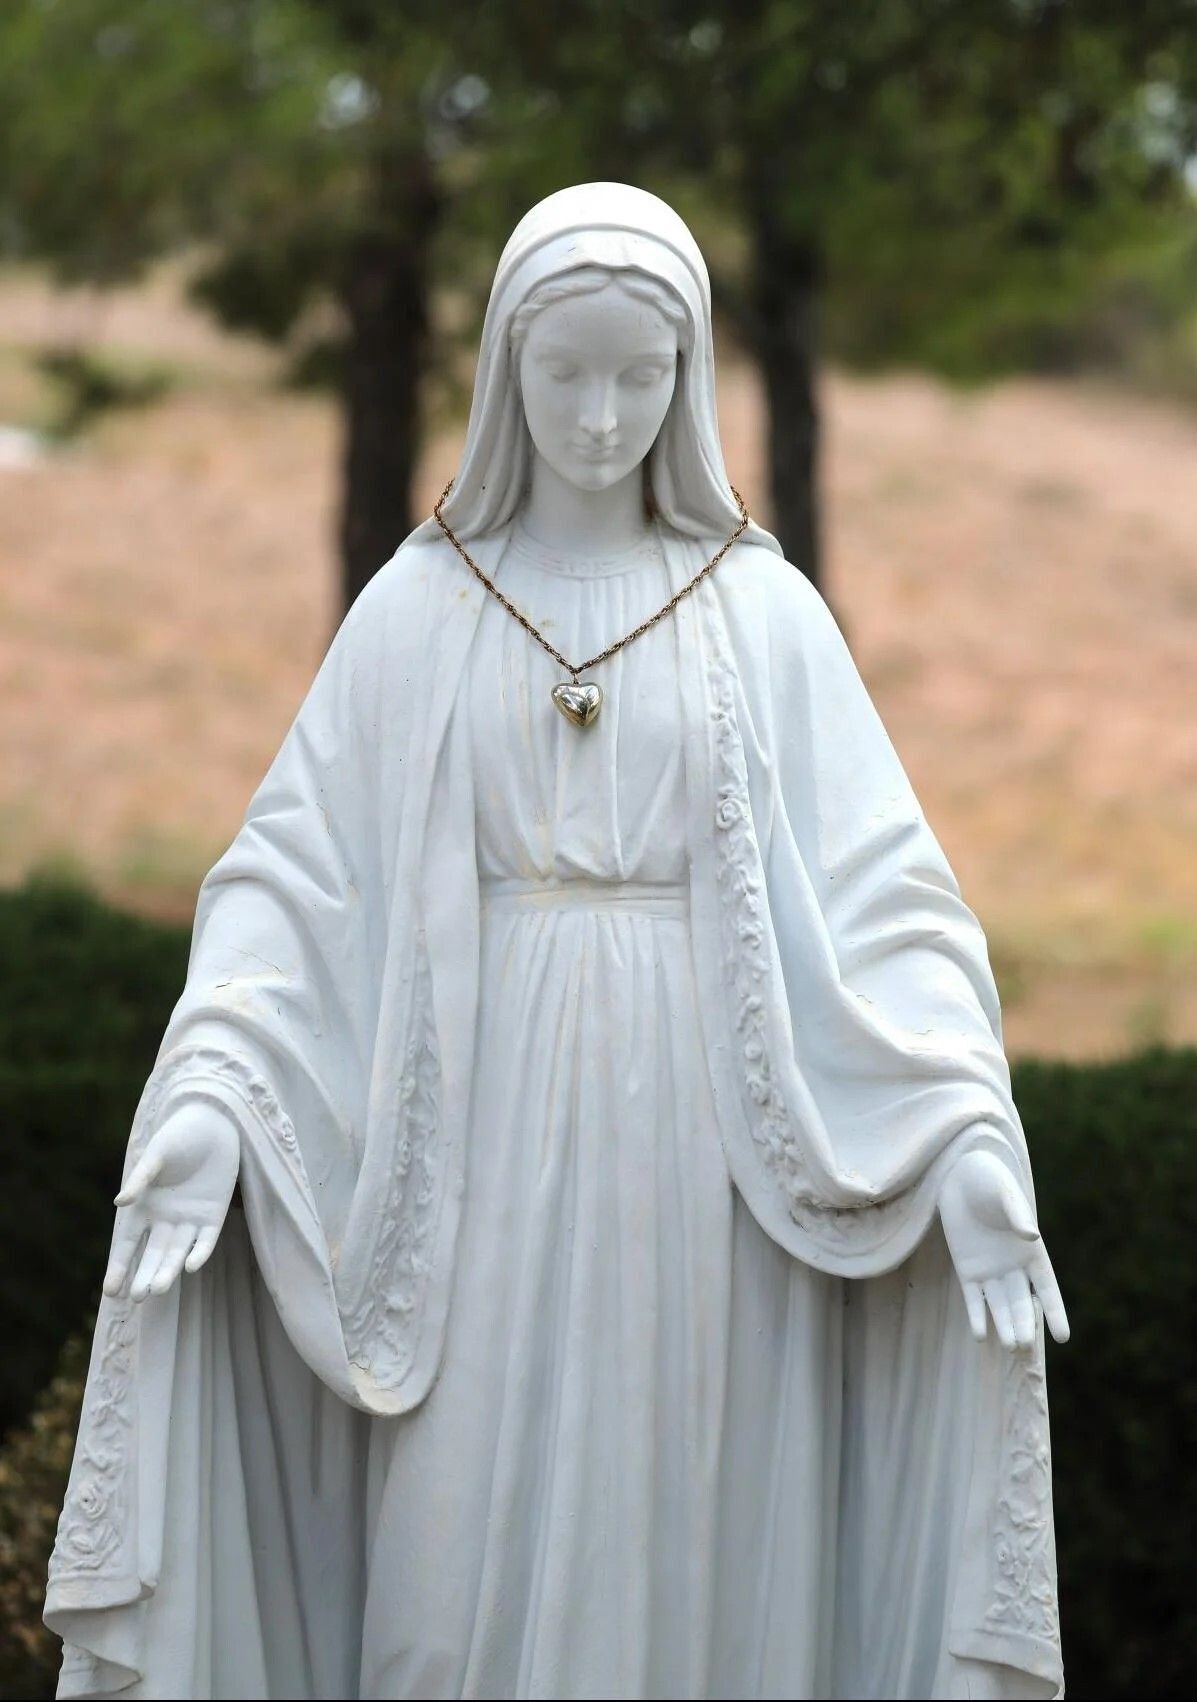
(975, 186)
(909, 171)
(308, 150)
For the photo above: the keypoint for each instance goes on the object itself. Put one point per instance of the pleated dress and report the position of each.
(623, 1481)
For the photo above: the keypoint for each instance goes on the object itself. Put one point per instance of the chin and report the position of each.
(595, 475)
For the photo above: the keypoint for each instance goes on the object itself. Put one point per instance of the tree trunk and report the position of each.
(787, 278)
(385, 293)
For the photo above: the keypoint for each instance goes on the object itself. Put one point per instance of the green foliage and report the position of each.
(974, 186)
(34, 1463)
(279, 135)
(1115, 1153)
(121, 123)
(87, 993)
(987, 187)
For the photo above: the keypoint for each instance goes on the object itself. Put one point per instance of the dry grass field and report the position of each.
(1016, 569)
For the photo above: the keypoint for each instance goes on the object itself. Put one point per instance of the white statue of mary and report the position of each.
(610, 1105)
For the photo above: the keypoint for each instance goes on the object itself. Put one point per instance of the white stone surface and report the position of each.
(610, 1106)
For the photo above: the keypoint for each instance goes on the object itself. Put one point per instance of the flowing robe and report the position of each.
(208, 1544)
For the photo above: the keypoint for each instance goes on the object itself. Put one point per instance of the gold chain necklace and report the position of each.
(580, 700)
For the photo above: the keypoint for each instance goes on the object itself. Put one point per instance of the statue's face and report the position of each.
(597, 373)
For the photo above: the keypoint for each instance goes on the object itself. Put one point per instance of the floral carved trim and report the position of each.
(92, 1524)
(381, 1331)
(91, 1527)
(748, 969)
(1024, 1551)
(193, 1066)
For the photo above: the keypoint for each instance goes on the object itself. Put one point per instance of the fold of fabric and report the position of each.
(212, 1541)
(331, 1007)
(867, 1047)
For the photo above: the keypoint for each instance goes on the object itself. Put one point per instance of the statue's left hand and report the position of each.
(998, 1252)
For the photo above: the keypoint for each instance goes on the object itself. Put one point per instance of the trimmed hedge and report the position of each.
(1114, 1148)
(87, 993)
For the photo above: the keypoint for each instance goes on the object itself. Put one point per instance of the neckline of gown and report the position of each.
(578, 565)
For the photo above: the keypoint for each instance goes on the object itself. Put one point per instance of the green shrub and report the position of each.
(34, 1463)
(1115, 1154)
(87, 995)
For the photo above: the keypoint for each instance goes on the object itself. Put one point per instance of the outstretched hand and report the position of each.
(998, 1252)
(175, 1200)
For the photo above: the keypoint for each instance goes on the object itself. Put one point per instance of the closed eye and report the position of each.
(645, 373)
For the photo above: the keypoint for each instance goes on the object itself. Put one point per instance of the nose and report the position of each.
(597, 419)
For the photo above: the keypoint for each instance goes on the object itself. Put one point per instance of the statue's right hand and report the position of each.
(175, 1199)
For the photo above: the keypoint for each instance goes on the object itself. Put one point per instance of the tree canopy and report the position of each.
(975, 186)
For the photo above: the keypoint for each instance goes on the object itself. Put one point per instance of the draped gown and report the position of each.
(623, 1481)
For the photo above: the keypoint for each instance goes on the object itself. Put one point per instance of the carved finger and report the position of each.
(1022, 1309)
(126, 1240)
(1003, 1323)
(1043, 1279)
(171, 1263)
(156, 1246)
(205, 1241)
(142, 1174)
(974, 1302)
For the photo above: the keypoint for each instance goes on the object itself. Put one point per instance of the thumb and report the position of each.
(1019, 1216)
(142, 1174)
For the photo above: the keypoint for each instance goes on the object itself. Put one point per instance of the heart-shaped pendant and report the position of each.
(578, 701)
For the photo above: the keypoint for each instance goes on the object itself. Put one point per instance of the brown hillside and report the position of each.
(1015, 568)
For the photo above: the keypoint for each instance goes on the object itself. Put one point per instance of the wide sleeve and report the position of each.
(877, 1052)
(854, 992)
(238, 1380)
(277, 1018)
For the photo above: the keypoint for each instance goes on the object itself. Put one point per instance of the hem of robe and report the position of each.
(159, 1632)
(250, 1560)
(1029, 1655)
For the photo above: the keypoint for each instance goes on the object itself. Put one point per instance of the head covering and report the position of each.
(617, 226)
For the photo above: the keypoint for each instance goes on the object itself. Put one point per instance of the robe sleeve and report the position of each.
(868, 1030)
(218, 1421)
(277, 1018)
(883, 1061)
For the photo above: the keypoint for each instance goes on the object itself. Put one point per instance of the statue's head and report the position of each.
(597, 353)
